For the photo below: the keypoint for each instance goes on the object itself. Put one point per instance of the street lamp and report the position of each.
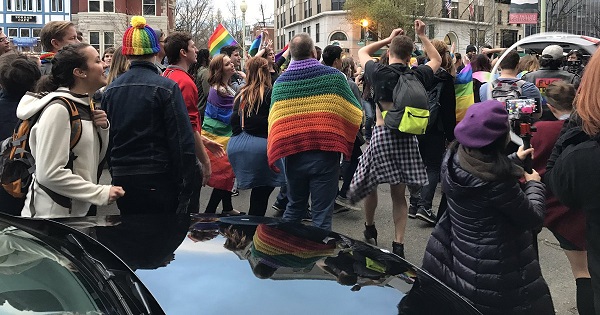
(243, 8)
(364, 23)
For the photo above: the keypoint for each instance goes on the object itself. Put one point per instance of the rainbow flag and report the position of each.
(279, 54)
(220, 38)
(482, 76)
(463, 88)
(216, 126)
(255, 46)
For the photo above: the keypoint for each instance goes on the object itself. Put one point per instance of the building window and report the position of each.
(25, 32)
(36, 32)
(338, 36)
(39, 5)
(317, 33)
(453, 11)
(8, 5)
(481, 34)
(21, 5)
(149, 7)
(308, 30)
(109, 40)
(102, 40)
(480, 13)
(304, 30)
(101, 6)
(473, 37)
(306, 14)
(294, 14)
(499, 17)
(497, 39)
(13, 32)
(318, 6)
(431, 31)
(56, 5)
(337, 5)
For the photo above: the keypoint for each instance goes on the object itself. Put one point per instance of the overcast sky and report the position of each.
(253, 14)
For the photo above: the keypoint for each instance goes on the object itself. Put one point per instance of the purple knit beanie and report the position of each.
(483, 123)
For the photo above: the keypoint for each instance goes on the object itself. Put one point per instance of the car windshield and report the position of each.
(36, 279)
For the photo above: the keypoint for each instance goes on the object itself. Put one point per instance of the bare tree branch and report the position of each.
(195, 17)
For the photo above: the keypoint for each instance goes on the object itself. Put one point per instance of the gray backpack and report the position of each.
(502, 91)
(410, 113)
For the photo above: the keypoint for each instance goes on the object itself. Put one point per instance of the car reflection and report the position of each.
(36, 278)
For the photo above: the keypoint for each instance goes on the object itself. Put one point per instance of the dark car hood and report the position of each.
(249, 265)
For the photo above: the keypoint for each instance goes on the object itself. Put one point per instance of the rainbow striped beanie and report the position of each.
(139, 39)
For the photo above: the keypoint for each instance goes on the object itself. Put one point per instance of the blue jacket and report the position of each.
(150, 132)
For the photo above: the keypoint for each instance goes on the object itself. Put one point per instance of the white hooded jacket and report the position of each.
(49, 142)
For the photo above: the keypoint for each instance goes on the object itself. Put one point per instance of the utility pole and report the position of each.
(543, 16)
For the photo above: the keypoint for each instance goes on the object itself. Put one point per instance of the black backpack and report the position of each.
(17, 164)
(410, 112)
(435, 107)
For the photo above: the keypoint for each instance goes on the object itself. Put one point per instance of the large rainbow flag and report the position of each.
(220, 38)
(255, 46)
(463, 88)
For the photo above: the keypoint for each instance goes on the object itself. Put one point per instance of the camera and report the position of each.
(520, 113)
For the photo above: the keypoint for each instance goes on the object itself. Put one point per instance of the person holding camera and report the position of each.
(482, 246)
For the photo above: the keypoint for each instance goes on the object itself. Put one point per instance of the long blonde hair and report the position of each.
(258, 82)
(118, 65)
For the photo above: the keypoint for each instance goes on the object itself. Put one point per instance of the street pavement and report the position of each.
(555, 266)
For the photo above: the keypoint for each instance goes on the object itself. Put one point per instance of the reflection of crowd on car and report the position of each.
(167, 118)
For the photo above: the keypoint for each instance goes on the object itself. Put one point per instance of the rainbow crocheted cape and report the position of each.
(312, 108)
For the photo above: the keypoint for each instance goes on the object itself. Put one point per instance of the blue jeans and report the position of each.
(314, 174)
(369, 108)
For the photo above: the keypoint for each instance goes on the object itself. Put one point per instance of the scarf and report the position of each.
(47, 57)
(485, 166)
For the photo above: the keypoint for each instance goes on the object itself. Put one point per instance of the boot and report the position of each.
(398, 249)
(370, 234)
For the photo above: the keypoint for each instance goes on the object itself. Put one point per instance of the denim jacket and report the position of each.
(150, 132)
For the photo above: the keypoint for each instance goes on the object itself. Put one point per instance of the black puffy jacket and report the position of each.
(482, 246)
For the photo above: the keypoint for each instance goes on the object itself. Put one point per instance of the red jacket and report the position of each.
(188, 90)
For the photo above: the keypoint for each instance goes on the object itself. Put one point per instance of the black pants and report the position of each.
(145, 194)
(217, 196)
(259, 200)
(349, 167)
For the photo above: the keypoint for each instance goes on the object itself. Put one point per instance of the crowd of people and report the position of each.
(167, 119)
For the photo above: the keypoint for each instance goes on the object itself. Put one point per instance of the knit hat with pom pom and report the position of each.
(139, 39)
